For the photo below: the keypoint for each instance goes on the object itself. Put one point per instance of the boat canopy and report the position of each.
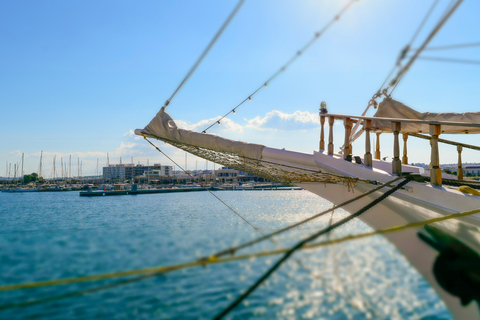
(390, 108)
(163, 127)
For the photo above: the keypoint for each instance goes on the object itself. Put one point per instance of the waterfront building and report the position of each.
(473, 170)
(130, 171)
(226, 175)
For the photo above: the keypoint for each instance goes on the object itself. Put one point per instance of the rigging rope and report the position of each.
(188, 173)
(305, 241)
(232, 250)
(450, 60)
(453, 46)
(165, 269)
(403, 70)
(75, 293)
(407, 48)
(437, 28)
(210, 45)
(286, 65)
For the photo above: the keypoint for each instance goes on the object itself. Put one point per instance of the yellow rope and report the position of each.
(469, 190)
(215, 260)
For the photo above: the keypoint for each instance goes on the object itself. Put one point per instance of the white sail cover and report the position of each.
(390, 108)
(163, 127)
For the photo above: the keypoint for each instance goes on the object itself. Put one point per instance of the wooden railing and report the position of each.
(435, 129)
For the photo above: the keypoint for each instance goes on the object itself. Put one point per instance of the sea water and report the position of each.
(56, 235)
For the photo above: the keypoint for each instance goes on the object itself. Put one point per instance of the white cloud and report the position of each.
(226, 125)
(278, 120)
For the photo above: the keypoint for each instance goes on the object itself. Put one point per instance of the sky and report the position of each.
(78, 77)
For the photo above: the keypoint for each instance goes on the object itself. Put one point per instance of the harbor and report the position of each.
(240, 160)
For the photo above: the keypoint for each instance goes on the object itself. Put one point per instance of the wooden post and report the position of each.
(396, 163)
(368, 156)
(330, 134)
(322, 134)
(377, 150)
(460, 167)
(435, 172)
(405, 158)
(346, 145)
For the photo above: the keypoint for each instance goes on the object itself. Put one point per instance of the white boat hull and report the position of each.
(418, 202)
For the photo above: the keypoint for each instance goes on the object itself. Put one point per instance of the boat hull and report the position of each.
(416, 202)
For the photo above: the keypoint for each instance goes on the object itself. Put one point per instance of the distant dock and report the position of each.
(135, 191)
(99, 193)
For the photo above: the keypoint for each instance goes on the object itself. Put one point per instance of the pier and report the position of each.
(99, 193)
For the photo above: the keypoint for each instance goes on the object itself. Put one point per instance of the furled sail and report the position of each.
(163, 127)
(238, 155)
(390, 108)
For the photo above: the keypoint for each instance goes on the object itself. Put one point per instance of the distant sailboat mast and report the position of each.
(40, 165)
(22, 168)
(54, 169)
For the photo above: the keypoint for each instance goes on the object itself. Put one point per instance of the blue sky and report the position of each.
(78, 76)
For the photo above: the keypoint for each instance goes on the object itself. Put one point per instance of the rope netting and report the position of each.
(281, 173)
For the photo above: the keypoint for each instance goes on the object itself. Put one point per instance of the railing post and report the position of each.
(405, 158)
(396, 163)
(346, 146)
(368, 155)
(377, 150)
(435, 172)
(322, 134)
(460, 167)
(330, 134)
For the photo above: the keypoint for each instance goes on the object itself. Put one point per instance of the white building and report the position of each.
(130, 171)
(474, 170)
(226, 175)
(118, 171)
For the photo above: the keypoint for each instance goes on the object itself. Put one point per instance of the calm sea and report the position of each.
(60, 235)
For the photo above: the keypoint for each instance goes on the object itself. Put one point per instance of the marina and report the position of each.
(329, 198)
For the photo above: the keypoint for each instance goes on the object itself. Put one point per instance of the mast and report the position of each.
(54, 173)
(70, 167)
(21, 174)
(41, 164)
